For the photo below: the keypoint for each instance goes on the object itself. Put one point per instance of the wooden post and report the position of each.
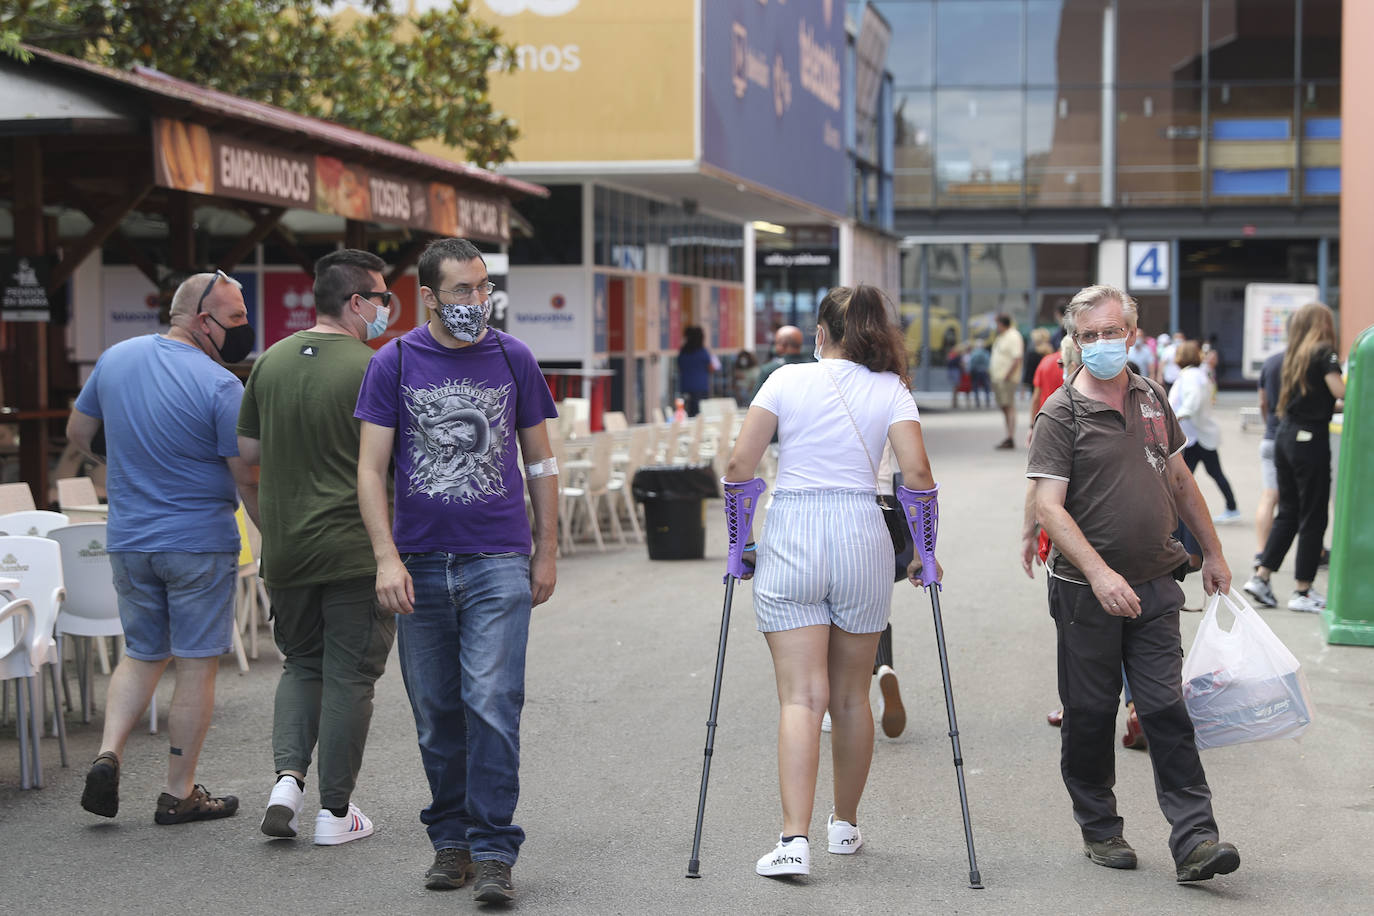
(355, 234)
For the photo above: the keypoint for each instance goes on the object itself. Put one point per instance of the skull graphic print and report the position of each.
(458, 433)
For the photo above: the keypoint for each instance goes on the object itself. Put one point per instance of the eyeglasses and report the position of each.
(219, 275)
(1092, 337)
(468, 293)
(385, 295)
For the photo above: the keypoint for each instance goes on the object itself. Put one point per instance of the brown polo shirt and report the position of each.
(1116, 469)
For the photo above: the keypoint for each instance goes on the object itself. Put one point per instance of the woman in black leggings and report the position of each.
(1191, 398)
(1310, 384)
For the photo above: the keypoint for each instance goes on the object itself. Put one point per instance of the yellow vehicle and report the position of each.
(946, 331)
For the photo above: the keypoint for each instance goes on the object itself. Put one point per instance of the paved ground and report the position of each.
(620, 676)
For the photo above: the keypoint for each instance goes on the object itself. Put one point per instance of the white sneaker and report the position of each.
(825, 722)
(845, 838)
(1227, 516)
(1260, 590)
(1312, 603)
(332, 831)
(792, 858)
(283, 817)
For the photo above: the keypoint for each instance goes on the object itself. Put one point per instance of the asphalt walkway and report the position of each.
(620, 671)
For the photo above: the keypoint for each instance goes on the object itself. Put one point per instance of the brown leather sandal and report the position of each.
(200, 805)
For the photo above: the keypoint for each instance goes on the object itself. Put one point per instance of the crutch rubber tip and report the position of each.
(694, 868)
(975, 881)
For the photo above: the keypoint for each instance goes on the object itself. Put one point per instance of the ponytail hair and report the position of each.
(856, 319)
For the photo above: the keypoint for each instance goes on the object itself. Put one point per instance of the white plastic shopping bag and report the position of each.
(1243, 684)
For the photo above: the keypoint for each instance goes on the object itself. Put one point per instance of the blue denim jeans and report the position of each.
(463, 661)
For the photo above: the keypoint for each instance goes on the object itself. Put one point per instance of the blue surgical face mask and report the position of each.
(377, 326)
(1105, 359)
(816, 350)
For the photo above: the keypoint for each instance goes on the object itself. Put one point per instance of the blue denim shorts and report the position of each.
(175, 604)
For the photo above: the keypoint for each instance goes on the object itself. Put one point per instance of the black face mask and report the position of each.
(238, 342)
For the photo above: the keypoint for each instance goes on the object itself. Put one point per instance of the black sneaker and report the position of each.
(1113, 852)
(452, 868)
(1208, 858)
(101, 795)
(493, 883)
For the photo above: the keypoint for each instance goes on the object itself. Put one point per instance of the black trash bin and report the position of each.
(674, 511)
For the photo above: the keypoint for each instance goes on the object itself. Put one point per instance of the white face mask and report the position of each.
(816, 350)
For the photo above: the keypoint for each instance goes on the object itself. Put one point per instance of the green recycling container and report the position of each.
(1349, 614)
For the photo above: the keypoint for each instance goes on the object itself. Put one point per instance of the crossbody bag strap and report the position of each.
(855, 423)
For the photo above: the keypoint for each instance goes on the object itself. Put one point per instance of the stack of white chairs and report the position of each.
(34, 523)
(17, 626)
(36, 562)
(91, 608)
(592, 490)
(15, 497)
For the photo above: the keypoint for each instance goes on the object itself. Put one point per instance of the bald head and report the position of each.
(787, 340)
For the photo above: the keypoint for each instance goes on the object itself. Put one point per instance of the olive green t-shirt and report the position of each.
(299, 403)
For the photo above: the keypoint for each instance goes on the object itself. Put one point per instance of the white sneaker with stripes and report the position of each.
(844, 837)
(333, 831)
(792, 858)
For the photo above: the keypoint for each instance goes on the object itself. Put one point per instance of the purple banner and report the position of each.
(773, 96)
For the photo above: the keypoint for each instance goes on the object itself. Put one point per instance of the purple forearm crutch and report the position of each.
(741, 499)
(922, 510)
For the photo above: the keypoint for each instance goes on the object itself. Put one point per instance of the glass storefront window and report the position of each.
(1159, 41)
(1321, 39)
(979, 158)
(1251, 40)
(1064, 42)
(1252, 151)
(983, 309)
(911, 267)
(978, 43)
(1321, 140)
(945, 265)
(1158, 146)
(913, 168)
(999, 265)
(1063, 147)
(912, 31)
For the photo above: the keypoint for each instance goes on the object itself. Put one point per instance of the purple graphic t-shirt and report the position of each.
(458, 483)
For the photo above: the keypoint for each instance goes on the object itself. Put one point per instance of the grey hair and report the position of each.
(1069, 356)
(188, 294)
(1090, 297)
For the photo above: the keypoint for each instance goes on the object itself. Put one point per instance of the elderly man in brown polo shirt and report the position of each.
(1110, 485)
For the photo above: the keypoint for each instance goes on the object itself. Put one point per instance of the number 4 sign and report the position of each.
(1148, 266)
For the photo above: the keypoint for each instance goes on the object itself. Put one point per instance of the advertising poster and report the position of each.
(130, 304)
(549, 312)
(641, 314)
(288, 304)
(600, 314)
(1267, 309)
(189, 157)
(25, 296)
(772, 97)
(674, 315)
(712, 320)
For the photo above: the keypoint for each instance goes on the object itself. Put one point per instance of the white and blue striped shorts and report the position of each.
(825, 558)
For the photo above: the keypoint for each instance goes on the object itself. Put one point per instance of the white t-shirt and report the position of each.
(817, 446)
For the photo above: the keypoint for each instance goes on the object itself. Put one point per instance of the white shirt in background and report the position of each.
(818, 448)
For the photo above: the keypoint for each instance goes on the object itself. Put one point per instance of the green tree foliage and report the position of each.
(362, 64)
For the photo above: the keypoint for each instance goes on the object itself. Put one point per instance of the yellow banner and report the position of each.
(599, 80)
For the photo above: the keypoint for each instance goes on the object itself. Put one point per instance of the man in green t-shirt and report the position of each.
(296, 422)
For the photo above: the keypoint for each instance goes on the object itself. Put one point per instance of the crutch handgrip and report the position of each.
(741, 498)
(922, 509)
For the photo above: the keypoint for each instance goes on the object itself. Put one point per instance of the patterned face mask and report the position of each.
(465, 321)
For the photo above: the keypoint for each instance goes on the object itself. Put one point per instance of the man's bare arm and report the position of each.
(395, 590)
(534, 447)
(246, 479)
(81, 432)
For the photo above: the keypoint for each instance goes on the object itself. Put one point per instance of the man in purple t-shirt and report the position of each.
(449, 401)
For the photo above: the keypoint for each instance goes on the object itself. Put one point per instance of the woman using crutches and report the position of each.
(823, 577)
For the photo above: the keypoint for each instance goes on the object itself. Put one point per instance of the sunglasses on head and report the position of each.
(219, 275)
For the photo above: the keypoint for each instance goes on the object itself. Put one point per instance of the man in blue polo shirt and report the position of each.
(169, 408)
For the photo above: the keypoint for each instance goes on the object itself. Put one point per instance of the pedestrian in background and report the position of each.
(1191, 397)
(1008, 351)
(449, 402)
(823, 585)
(695, 364)
(168, 408)
(1110, 485)
(980, 381)
(1309, 386)
(787, 351)
(297, 424)
(1269, 380)
(1039, 349)
(745, 376)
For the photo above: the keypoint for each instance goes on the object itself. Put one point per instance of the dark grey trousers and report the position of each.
(336, 639)
(1093, 646)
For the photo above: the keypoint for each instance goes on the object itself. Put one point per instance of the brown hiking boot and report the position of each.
(1208, 858)
(452, 868)
(200, 805)
(1113, 852)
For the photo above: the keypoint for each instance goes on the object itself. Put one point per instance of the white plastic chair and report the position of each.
(613, 421)
(594, 489)
(91, 609)
(37, 563)
(34, 523)
(16, 628)
(636, 453)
